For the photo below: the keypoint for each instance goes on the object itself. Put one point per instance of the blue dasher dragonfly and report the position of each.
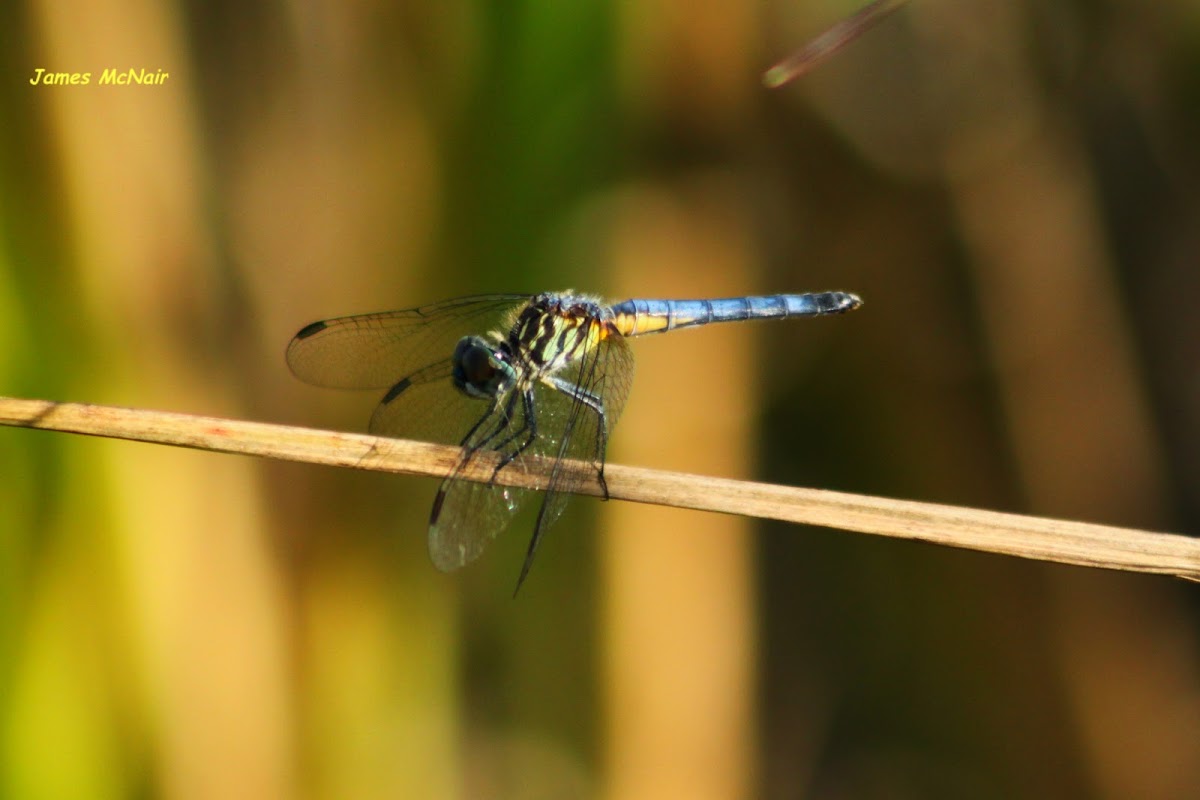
(516, 378)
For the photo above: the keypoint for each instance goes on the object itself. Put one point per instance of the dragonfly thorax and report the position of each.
(482, 369)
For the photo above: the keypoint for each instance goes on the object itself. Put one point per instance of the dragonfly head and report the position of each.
(481, 369)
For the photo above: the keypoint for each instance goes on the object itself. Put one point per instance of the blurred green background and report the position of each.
(1014, 189)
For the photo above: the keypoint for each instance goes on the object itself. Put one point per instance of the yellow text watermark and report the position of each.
(109, 77)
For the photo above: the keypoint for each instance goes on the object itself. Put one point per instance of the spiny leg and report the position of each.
(596, 404)
(509, 407)
(504, 420)
(529, 425)
(478, 424)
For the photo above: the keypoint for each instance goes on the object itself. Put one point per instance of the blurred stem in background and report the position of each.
(1010, 186)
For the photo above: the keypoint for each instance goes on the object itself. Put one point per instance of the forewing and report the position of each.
(575, 431)
(607, 374)
(371, 351)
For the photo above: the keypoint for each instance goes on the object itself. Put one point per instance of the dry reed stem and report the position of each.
(832, 40)
(1063, 541)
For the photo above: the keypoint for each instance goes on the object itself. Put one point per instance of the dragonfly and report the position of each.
(515, 380)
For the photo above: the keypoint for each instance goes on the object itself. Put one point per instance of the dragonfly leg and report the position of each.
(596, 404)
(478, 424)
(528, 427)
(505, 417)
(601, 446)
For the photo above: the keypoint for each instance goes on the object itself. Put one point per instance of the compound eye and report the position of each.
(476, 365)
(478, 369)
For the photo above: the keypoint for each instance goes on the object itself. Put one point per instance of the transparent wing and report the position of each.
(581, 429)
(467, 515)
(571, 422)
(427, 406)
(371, 351)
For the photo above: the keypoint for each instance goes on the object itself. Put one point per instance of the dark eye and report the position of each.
(476, 365)
(480, 370)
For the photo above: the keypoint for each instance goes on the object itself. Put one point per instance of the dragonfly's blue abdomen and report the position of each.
(636, 317)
